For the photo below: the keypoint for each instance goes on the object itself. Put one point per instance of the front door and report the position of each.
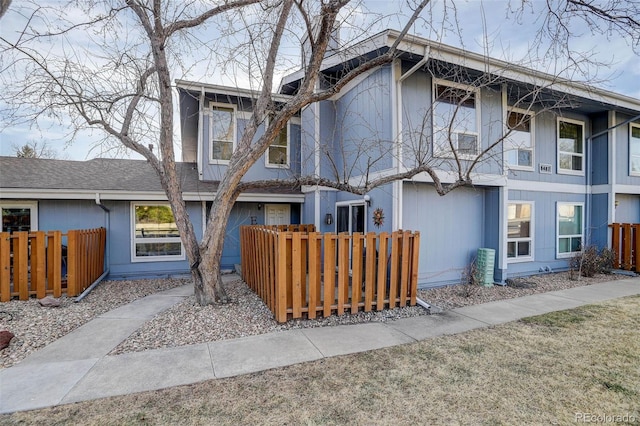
(350, 218)
(277, 214)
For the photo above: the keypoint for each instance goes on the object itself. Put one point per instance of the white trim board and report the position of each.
(530, 185)
(68, 194)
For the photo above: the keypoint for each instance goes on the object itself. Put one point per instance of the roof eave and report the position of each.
(69, 194)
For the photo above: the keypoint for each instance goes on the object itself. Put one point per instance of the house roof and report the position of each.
(109, 179)
(414, 48)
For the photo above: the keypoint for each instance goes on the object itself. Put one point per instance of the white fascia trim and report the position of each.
(416, 45)
(312, 188)
(601, 189)
(479, 179)
(227, 90)
(370, 44)
(527, 185)
(65, 194)
(271, 198)
(484, 179)
(626, 189)
(479, 62)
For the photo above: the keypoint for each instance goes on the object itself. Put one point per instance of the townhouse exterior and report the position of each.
(568, 166)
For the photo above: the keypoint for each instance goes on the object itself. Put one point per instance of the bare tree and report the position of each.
(34, 150)
(123, 86)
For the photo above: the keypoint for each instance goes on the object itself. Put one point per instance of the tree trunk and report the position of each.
(207, 276)
(208, 286)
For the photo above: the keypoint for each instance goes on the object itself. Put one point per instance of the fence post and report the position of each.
(636, 250)
(382, 270)
(281, 277)
(72, 262)
(21, 264)
(38, 265)
(615, 244)
(356, 279)
(296, 274)
(343, 271)
(329, 273)
(5, 266)
(370, 271)
(414, 267)
(626, 245)
(55, 259)
(395, 259)
(314, 273)
(404, 279)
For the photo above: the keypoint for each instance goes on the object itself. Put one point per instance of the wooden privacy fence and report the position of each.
(35, 263)
(625, 243)
(303, 272)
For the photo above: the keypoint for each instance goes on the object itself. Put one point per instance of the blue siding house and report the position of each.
(567, 168)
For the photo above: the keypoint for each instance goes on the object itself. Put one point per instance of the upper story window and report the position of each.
(520, 231)
(222, 133)
(278, 151)
(519, 144)
(634, 150)
(570, 147)
(569, 226)
(154, 233)
(456, 119)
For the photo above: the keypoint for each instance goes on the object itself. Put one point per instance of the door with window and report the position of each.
(350, 217)
(277, 214)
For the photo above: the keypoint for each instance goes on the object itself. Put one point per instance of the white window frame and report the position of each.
(530, 238)
(234, 123)
(287, 165)
(31, 205)
(558, 236)
(558, 152)
(511, 146)
(351, 204)
(631, 157)
(442, 153)
(134, 240)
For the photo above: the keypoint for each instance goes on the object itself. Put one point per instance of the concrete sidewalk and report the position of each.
(82, 370)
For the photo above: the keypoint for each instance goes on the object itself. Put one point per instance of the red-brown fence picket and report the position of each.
(299, 272)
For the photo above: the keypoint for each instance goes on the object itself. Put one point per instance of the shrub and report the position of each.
(592, 261)
(470, 280)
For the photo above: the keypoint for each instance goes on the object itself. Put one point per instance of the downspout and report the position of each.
(107, 255)
(423, 303)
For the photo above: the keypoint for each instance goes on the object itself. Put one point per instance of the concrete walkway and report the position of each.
(76, 367)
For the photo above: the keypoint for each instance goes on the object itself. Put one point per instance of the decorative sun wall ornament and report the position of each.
(378, 217)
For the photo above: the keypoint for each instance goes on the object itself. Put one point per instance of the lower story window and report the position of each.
(21, 216)
(569, 228)
(520, 231)
(155, 233)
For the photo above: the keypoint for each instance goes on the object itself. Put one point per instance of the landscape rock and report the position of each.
(5, 338)
(49, 302)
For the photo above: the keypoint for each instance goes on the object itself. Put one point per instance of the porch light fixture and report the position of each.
(328, 219)
(367, 200)
(259, 206)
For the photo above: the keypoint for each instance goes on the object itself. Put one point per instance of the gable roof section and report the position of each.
(121, 179)
(414, 48)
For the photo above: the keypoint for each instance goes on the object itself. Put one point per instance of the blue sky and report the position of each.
(479, 26)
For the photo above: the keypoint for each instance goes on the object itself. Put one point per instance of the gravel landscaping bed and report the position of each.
(188, 323)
